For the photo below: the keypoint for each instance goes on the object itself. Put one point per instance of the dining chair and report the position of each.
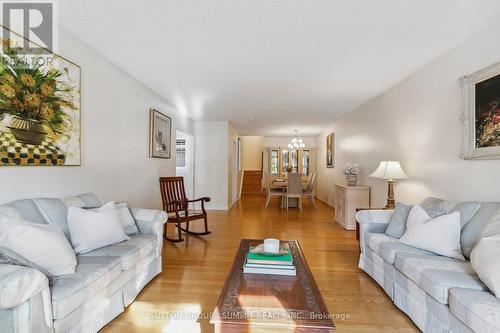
(311, 189)
(294, 189)
(271, 192)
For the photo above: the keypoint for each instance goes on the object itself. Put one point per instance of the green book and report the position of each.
(254, 258)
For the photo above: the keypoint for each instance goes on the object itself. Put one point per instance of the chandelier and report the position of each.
(296, 142)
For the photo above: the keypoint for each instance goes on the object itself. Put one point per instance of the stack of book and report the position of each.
(257, 263)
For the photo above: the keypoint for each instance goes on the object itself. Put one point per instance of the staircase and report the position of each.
(252, 181)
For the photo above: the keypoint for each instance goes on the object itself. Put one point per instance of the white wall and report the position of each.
(235, 172)
(253, 146)
(211, 162)
(283, 141)
(115, 126)
(418, 123)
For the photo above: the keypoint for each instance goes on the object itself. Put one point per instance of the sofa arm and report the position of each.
(372, 220)
(18, 284)
(25, 292)
(151, 221)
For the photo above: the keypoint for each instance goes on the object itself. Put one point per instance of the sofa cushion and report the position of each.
(27, 210)
(436, 274)
(130, 251)
(472, 230)
(484, 256)
(55, 212)
(397, 224)
(466, 210)
(92, 275)
(387, 247)
(434, 206)
(86, 200)
(477, 309)
(8, 211)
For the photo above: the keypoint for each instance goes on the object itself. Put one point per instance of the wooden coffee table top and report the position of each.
(271, 301)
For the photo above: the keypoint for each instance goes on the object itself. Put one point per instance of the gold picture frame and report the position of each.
(330, 150)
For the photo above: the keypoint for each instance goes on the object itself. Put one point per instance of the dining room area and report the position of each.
(289, 172)
(283, 169)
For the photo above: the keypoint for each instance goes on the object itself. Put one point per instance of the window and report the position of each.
(274, 162)
(305, 162)
(284, 161)
(294, 160)
(180, 153)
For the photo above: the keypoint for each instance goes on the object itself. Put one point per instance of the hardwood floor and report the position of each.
(182, 297)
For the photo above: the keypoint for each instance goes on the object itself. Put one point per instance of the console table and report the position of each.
(347, 200)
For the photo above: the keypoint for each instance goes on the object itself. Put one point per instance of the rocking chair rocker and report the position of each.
(176, 205)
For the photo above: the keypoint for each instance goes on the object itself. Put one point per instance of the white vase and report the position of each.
(351, 180)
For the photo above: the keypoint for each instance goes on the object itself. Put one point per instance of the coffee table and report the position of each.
(271, 303)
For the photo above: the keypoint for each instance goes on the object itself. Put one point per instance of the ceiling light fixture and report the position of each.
(296, 142)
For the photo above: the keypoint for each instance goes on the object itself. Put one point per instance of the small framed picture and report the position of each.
(160, 129)
(330, 150)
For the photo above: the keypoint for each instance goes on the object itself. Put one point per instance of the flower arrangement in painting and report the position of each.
(35, 97)
(489, 126)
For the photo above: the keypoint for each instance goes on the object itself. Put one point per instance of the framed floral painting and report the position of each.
(160, 129)
(481, 114)
(39, 109)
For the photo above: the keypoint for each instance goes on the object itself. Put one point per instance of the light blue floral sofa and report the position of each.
(106, 280)
(439, 294)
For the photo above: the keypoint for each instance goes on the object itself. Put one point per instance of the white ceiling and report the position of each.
(285, 64)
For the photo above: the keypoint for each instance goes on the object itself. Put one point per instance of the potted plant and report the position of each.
(33, 97)
(351, 174)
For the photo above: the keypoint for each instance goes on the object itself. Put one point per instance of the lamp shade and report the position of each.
(390, 170)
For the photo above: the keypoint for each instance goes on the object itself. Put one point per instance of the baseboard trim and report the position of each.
(323, 201)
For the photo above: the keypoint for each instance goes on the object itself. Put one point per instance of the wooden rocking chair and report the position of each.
(176, 205)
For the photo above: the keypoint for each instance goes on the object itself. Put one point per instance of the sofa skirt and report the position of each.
(110, 302)
(429, 315)
(379, 270)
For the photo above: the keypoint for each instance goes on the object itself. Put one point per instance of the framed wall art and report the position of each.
(160, 131)
(330, 150)
(481, 114)
(39, 109)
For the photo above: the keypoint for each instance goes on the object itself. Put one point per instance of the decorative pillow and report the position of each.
(92, 230)
(126, 219)
(466, 210)
(42, 244)
(484, 256)
(9, 257)
(397, 223)
(434, 206)
(440, 235)
(6, 211)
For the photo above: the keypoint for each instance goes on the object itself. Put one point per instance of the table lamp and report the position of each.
(390, 171)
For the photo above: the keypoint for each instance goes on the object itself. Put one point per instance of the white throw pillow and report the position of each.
(126, 219)
(484, 256)
(42, 244)
(440, 235)
(92, 230)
